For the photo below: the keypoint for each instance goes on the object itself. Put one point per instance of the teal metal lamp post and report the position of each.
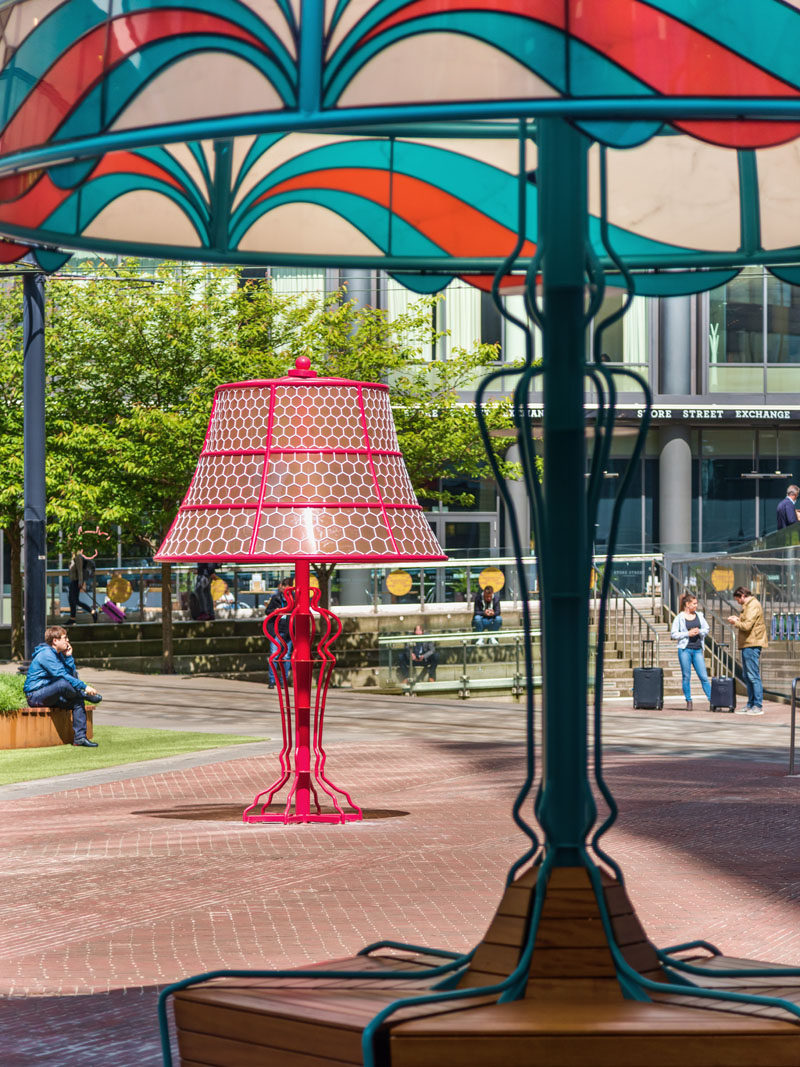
(650, 145)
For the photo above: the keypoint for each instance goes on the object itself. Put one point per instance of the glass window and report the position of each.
(729, 513)
(623, 341)
(783, 322)
(466, 539)
(736, 335)
(481, 489)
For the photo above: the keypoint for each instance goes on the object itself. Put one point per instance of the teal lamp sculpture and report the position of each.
(649, 144)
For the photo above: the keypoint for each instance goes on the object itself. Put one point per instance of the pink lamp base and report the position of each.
(312, 630)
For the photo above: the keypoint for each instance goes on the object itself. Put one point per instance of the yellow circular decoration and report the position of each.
(118, 589)
(492, 576)
(722, 578)
(219, 587)
(399, 583)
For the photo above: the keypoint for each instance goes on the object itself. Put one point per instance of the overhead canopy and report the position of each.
(383, 134)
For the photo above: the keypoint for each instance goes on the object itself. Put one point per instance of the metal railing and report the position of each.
(454, 581)
(627, 627)
(474, 673)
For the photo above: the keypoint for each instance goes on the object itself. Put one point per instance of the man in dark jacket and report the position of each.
(421, 654)
(787, 509)
(52, 682)
(278, 600)
(486, 615)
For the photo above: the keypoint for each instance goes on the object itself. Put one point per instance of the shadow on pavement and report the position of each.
(120, 1027)
(233, 812)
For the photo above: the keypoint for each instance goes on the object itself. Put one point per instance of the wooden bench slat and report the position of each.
(572, 962)
(216, 1051)
(569, 1017)
(707, 1050)
(262, 1030)
(336, 1008)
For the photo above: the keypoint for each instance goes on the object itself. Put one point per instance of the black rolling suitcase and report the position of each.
(723, 693)
(648, 682)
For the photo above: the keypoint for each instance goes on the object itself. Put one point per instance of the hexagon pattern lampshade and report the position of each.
(301, 467)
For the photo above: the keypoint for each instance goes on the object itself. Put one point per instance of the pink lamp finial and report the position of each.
(302, 368)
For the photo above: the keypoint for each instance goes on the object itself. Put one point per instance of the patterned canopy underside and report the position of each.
(293, 470)
(174, 128)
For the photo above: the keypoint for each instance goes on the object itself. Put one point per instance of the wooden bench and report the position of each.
(572, 1011)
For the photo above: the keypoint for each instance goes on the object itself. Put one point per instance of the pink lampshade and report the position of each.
(300, 467)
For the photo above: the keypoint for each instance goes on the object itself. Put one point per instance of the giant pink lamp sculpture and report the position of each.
(301, 469)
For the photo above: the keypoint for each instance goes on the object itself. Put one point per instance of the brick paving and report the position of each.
(117, 883)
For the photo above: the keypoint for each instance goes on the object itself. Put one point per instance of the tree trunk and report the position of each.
(168, 666)
(14, 536)
(323, 572)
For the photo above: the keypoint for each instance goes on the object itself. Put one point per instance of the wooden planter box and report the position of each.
(39, 727)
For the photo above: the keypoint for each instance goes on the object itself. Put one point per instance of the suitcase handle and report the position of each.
(648, 641)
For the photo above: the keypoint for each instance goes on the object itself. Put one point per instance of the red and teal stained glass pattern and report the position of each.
(161, 127)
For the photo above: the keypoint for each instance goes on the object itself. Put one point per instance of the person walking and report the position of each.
(81, 570)
(787, 509)
(752, 639)
(421, 654)
(689, 628)
(486, 613)
(52, 682)
(204, 602)
(278, 600)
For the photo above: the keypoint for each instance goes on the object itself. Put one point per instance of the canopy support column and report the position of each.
(567, 810)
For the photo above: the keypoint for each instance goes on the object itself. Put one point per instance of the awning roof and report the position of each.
(384, 134)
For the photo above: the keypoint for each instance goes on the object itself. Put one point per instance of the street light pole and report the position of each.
(35, 531)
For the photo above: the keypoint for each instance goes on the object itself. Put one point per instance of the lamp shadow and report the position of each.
(233, 812)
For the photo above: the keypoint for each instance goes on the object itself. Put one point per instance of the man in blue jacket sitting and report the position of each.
(53, 682)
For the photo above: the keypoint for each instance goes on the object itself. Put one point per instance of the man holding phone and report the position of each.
(52, 682)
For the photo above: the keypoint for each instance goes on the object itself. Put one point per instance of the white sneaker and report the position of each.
(754, 711)
(493, 641)
(481, 641)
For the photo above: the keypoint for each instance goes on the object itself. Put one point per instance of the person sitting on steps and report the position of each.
(486, 614)
(52, 682)
(421, 654)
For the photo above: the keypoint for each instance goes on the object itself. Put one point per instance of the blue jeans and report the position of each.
(480, 622)
(275, 647)
(689, 657)
(751, 669)
(60, 694)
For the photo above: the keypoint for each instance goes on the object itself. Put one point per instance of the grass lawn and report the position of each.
(118, 745)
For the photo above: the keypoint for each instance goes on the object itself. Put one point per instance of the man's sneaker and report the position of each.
(493, 641)
(754, 711)
(85, 743)
(481, 641)
(93, 700)
(743, 711)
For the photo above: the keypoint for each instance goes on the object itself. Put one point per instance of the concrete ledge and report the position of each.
(39, 727)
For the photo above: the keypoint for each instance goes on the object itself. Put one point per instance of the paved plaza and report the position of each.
(120, 880)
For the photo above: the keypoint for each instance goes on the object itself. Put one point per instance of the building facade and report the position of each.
(724, 443)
